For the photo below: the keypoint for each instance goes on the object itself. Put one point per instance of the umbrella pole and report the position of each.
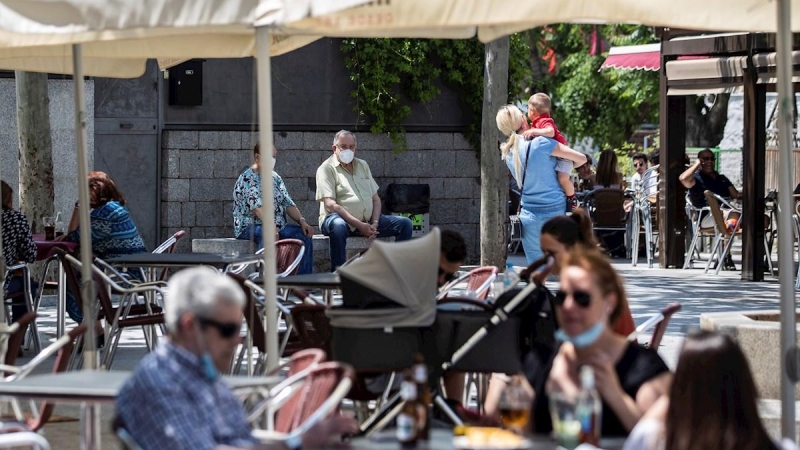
(786, 99)
(90, 437)
(264, 85)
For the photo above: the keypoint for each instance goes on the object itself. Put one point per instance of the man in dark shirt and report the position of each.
(701, 176)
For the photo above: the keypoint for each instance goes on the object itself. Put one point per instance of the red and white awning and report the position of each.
(634, 57)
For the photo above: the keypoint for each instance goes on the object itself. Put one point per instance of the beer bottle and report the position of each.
(420, 371)
(407, 428)
(589, 408)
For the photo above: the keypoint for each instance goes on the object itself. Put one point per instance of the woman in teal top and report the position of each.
(532, 163)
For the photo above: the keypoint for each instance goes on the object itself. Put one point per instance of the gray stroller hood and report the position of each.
(399, 278)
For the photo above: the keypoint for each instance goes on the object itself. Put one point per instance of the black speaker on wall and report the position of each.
(186, 83)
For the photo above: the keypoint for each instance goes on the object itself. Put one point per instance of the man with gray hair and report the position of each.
(175, 398)
(349, 201)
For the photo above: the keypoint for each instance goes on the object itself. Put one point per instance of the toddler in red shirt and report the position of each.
(544, 125)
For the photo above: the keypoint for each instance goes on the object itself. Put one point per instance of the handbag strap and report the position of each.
(524, 173)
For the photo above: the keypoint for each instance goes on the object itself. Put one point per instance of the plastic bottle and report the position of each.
(510, 277)
(407, 428)
(420, 371)
(589, 408)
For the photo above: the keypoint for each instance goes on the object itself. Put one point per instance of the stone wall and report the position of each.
(199, 169)
(62, 131)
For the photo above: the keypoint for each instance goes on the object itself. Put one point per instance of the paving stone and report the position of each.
(181, 139)
(188, 214)
(171, 214)
(209, 214)
(175, 190)
(204, 190)
(220, 140)
(197, 164)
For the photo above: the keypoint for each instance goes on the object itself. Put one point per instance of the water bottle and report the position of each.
(589, 408)
(510, 277)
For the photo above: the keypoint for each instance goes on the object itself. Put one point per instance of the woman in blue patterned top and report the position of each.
(113, 232)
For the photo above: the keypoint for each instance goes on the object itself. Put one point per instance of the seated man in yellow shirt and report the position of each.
(349, 201)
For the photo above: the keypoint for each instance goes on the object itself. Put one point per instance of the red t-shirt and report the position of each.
(544, 121)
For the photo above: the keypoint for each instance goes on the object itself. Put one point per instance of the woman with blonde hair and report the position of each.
(532, 163)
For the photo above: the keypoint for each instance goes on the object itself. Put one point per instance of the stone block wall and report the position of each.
(199, 169)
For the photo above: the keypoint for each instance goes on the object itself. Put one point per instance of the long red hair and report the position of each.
(102, 190)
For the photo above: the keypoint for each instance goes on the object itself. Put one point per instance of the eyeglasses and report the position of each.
(582, 298)
(345, 148)
(639, 164)
(707, 158)
(448, 276)
(226, 330)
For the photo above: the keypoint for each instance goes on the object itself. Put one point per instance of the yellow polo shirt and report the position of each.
(352, 192)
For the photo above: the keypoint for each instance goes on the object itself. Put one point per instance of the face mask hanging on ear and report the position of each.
(585, 339)
(206, 363)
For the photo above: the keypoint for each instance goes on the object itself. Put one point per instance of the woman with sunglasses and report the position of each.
(629, 377)
(712, 404)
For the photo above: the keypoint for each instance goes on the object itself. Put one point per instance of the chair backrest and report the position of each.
(716, 213)
(71, 275)
(312, 326)
(661, 327)
(251, 316)
(318, 388)
(479, 281)
(169, 246)
(59, 365)
(16, 338)
(305, 359)
(288, 253)
(608, 206)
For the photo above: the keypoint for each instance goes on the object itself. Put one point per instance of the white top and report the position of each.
(648, 434)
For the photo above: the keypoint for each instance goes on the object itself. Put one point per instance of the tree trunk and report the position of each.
(494, 178)
(36, 192)
(706, 130)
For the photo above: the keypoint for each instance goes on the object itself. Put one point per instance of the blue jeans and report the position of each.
(338, 231)
(291, 231)
(253, 233)
(532, 220)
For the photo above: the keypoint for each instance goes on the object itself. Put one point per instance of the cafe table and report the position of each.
(442, 439)
(45, 249)
(97, 388)
(327, 282)
(181, 260)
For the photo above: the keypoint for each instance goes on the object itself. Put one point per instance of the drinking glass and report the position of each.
(49, 227)
(515, 406)
(566, 424)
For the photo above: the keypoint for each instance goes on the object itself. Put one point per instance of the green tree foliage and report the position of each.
(607, 106)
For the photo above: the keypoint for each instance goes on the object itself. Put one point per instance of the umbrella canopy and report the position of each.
(405, 273)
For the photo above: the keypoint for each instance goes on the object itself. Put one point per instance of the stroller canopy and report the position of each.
(401, 276)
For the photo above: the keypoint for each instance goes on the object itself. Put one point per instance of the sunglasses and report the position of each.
(448, 276)
(707, 158)
(638, 164)
(226, 330)
(582, 298)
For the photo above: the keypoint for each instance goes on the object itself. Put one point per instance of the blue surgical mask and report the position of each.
(584, 339)
(209, 369)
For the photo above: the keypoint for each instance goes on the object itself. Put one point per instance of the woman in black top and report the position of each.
(629, 377)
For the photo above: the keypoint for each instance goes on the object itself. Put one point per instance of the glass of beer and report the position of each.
(49, 223)
(515, 406)
(566, 424)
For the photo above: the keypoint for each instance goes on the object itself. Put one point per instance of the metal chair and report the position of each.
(478, 280)
(606, 207)
(28, 298)
(660, 320)
(642, 212)
(696, 216)
(514, 233)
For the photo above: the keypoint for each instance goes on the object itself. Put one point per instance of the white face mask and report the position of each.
(272, 164)
(346, 156)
